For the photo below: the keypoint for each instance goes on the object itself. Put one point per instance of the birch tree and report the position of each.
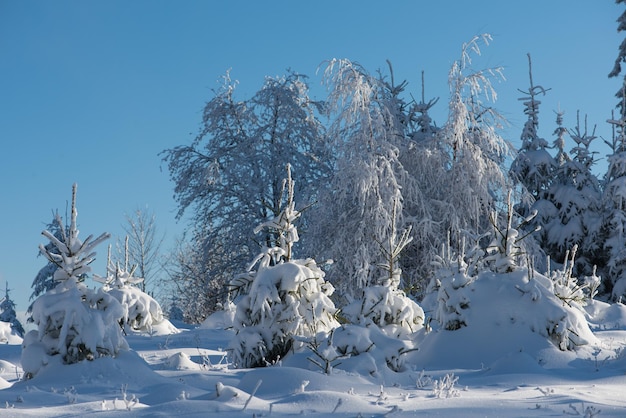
(229, 178)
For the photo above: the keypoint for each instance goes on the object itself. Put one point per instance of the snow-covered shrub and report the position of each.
(387, 307)
(516, 300)
(566, 286)
(448, 294)
(73, 321)
(141, 311)
(384, 304)
(504, 251)
(283, 298)
(361, 349)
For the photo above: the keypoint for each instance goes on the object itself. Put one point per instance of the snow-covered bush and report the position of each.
(283, 298)
(384, 304)
(361, 349)
(73, 321)
(498, 290)
(448, 293)
(566, 286)
(140, 311)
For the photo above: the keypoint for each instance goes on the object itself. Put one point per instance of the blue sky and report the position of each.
(92, 91)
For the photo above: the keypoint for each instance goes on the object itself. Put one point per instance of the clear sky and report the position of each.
(92, 91)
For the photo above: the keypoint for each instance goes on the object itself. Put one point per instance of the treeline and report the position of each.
(368, 162)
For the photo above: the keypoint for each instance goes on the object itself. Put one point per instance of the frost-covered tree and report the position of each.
(144, 246)
(533, 165)
(459, 170)
(8, 314)
(621, 58)
(188, 277)
(141, 312)
(426, 161)
(614, 203)
(571, 213)
(383, 303)
(228, 176)
(44, 280)
(73, 321)
(283, 300)
(368, 177)
(476, 179)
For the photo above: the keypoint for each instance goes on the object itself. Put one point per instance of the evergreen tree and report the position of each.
(73, 321)
(575, 194)
(8, 314)
(614, 203)
(426, 162)
(141, 311)
(44, 280)
(384, 304)
(283, 301)
(621, 58)
(533, 165)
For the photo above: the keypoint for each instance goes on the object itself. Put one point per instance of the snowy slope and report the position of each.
(488, 368)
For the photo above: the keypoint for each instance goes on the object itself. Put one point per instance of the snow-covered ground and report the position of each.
(454, 373)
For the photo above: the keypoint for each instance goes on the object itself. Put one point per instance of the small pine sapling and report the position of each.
(283, 299)
(566, 286)
(141, 311)
(504, 251)
(73, 321)
(448, 293)
(326, 354)
(385, 304)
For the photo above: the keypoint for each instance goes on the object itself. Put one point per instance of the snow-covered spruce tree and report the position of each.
(447, 296)
(572, 214)
(509, 298)
(141, 311)
(357, 207)
(8, 314)
(283, 300)
(44, 280)
(533, 165)
(228, 177)
(382, 303)
(614, 220)
(73, 321)
(557, 312)
(617, 67)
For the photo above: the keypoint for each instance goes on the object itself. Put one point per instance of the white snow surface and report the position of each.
(499, 365)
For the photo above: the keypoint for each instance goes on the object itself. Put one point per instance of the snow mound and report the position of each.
(506, 314)
(8, 335)
(604, 316)
(223, 319)
(181, 361)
